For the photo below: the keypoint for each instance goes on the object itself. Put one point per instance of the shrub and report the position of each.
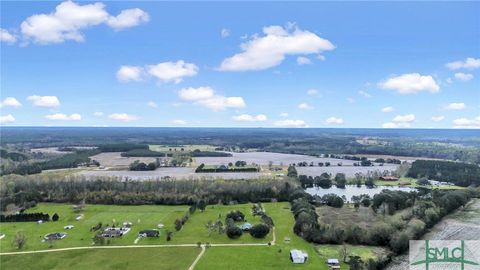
(233, 232)
(259, 230)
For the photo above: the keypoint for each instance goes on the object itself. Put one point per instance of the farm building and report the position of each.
(298, 256)
(54, 236)
(149, 233)
(388, 178)
(333, 263)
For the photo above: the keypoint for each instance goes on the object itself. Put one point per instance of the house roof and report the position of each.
(298, 254)
(333, 261)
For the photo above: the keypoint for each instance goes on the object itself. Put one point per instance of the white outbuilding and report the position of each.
(298, 256)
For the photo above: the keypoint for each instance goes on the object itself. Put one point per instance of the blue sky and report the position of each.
(315, 64)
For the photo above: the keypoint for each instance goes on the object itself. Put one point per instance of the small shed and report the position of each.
(333, 263)
(298, 256)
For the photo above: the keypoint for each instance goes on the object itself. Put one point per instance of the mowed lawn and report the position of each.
(147, 217)
(172, 258)
(277, 256)
(142, 217)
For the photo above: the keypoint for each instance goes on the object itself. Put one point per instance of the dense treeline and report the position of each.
(144, 153)
(15, 156)
(202, 168)
(461, 174)
(70, 160)
(20, 190)
(25, 217)
(198, 153)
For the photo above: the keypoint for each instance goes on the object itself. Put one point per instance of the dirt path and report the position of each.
(198, 258)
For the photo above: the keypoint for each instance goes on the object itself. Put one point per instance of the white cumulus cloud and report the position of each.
(123, 117)
(152, 104)
(6, 119)
(289, 123)
(130, 73)
(334, 121)
(179, 122)
(467, 123)
(468, 63)
(364, 94)
(225, 33)
(410, 83)
(455, 106)
(284, 114)
(305, 106)
(128, 18)
(312, 92)
(64, 117)
(302, 60)
(387, 109)
(7, 37)
(270, 49)
(205, 96)
(463, 76)
(438, 118)
(44, 101)
(69, 20)
(400, 121)
(10, 102)
(250, 118)
(172, 71)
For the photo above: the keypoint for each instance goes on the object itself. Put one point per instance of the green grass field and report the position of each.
(118, 259)
(177, 148)
(147, 217)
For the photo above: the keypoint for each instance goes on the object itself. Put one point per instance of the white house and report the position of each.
(298, 256)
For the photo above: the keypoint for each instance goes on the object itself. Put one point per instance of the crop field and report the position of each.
(264, 158)
(238, 256)
(178, 148)
(114, 159)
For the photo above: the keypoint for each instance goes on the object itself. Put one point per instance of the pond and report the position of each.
(352, 190)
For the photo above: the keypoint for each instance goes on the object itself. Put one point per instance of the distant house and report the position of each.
(115, 232)
(54, 236)
(245, 226)
(79, 217)
(149, 233)
(388, 178)
(68, 227)
(333, 263)
(298, 256)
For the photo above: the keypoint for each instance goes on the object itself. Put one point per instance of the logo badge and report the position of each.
(444, 255)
